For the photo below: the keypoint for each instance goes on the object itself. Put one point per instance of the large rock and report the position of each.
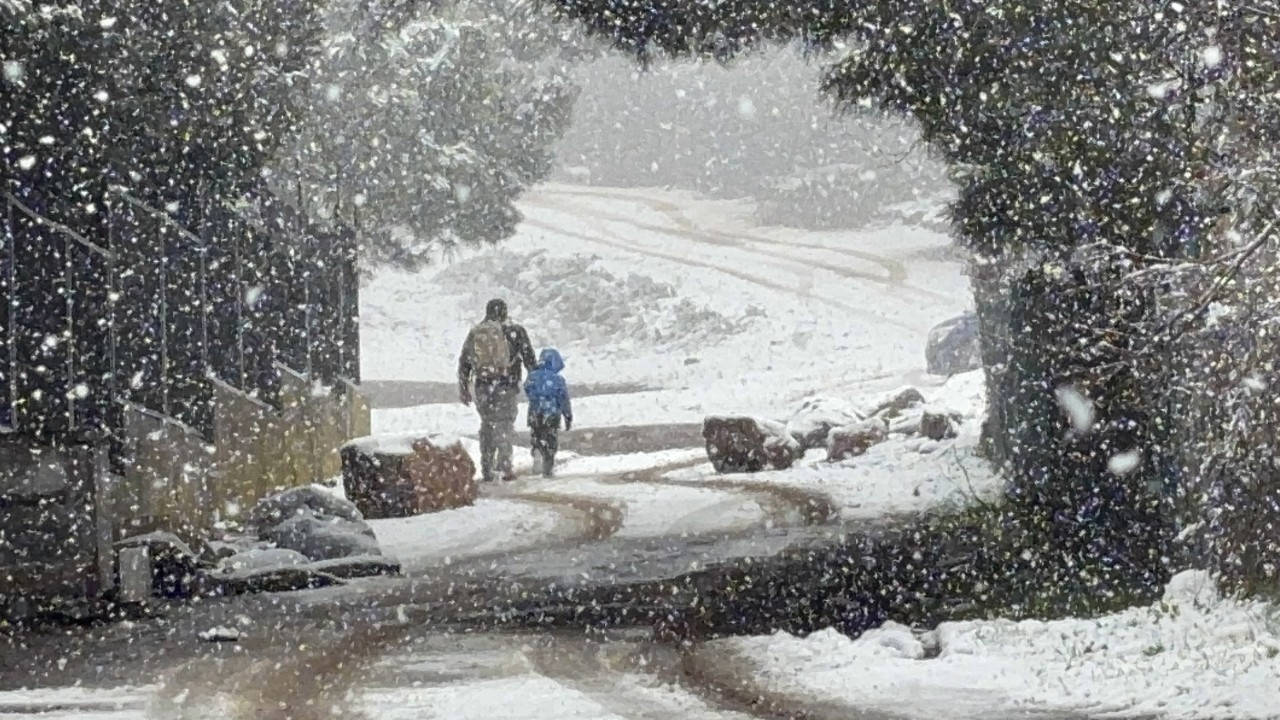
(325, 538)
(747, 444)
(855, 440)
(400, 476)
(256, 559)
(817, 417)
(269, 512)
(952, 347)
(939, 425)
(896, 403)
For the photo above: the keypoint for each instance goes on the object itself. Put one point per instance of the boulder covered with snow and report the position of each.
(269, 512)
(952, 346)
(325, 537)
(896, 403)
(310, 522)
(255, 559)
(854, 440)
(939, 425)
(816, 417)
(748, 444)
(405, 475)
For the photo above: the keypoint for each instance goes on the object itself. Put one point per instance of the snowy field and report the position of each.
(1194, 655)
(683, 297)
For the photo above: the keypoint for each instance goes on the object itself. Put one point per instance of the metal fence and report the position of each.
(157, 303)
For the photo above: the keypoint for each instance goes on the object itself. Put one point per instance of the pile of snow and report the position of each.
(402, 443)
(578, 300)
(1194, 655)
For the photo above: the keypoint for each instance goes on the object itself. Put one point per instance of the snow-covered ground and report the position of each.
(1193, 656)
(490, 526)
(699, 311)
(683, 297)
(904, 474)
(540, 697)
(75, 703)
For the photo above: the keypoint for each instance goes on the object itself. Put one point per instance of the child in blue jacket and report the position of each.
(548, 402)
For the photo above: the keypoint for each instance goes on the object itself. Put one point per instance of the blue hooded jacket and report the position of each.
(546, 389)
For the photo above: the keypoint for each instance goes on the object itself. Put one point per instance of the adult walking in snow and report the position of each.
(492, 363)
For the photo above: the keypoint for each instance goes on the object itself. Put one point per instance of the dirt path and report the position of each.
(785, 504)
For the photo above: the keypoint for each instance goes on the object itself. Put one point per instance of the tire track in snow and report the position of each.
(619, 244)
(683, 229)
(621, 677)
(310, 680)
(597, 519)
(784, 505)
(896, 271)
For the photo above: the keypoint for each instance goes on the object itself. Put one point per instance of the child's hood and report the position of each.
(550, 360)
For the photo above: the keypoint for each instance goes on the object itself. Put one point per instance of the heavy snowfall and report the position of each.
(639, 359)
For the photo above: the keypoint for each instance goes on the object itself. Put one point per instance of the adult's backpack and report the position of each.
(491, 349)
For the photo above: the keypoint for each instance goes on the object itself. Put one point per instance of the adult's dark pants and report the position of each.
(497, 405)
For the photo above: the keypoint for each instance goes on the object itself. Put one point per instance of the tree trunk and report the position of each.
(1069, 422)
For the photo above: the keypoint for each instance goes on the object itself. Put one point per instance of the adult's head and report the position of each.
(496, 309)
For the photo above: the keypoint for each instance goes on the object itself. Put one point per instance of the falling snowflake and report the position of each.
(1125, 462)
(1079, 408)
(14, 71)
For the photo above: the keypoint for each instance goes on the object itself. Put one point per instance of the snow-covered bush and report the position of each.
(424, 134)
(1221, 396)
(585, 302)
(159, 96)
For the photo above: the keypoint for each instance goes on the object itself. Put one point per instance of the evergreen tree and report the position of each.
(159, 96)
(425, 136)
(1095, 144)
